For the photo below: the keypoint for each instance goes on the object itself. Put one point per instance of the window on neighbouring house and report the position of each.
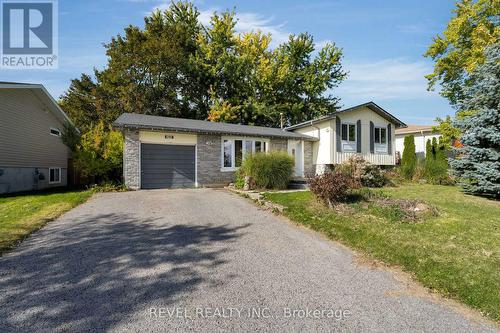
(54, 175)
(55, 131)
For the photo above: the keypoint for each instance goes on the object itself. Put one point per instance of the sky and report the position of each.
(383, 43)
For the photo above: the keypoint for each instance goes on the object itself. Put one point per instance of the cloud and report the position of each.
(389, 79)
(247, 21)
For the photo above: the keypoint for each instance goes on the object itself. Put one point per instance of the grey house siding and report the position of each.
(209, 162)
(26, 144)
(278, 145)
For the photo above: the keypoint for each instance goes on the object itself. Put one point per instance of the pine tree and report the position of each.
(409, 159)
(477, 163)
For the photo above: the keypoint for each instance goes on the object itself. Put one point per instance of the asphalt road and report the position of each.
(202, 260)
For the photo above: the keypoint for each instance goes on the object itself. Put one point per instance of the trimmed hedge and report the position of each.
(268, 170)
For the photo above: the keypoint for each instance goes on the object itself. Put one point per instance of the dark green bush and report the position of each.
(436, 164)
(268, 170)
(409, 160)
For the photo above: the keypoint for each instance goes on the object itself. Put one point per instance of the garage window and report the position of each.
(235, 150)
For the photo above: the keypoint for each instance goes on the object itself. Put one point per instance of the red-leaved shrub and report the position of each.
(332, 187)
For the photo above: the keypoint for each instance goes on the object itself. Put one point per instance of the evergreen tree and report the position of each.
(429, 157)
(477, 163)
(409, 160)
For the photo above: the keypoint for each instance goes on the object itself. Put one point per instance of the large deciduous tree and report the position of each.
(175, 66)
(477, 163)
(460, 49)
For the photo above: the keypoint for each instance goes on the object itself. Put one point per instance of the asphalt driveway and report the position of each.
(202, 260)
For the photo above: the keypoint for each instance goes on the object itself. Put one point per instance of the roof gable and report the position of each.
(370, 105)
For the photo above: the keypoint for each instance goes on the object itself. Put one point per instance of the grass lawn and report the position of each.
(456, 252)
(20, 215)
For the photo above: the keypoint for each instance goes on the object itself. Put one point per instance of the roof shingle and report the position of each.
(141, 121)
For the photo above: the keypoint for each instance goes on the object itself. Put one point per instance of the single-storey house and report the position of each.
(366, 130)
(163, 152)
(32, 154)
(421, 133)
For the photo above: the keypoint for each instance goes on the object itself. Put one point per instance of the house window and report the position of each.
(55, 132)
(54, 175)
(238, 152)
(228, 153)
(235, 150)
(380, 140)
(348, 134)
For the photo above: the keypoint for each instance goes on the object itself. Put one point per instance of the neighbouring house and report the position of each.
(163, 152)
(32, 154)
(421, 133)
(366, 130)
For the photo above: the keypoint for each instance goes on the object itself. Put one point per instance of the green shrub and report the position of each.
(239, 178)
(332, 187)
(409, 159)
(268, 170)
(363, 172)
(436, 164)
(98, 153)
(374, 177)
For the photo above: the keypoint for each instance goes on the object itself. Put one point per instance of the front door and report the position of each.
(295, 149)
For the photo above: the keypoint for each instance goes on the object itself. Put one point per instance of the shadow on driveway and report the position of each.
(89, 274)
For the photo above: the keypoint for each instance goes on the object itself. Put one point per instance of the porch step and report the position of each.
(298, 184)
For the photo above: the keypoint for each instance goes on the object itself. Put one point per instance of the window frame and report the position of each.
(347, 143)
(56, 130)
(59, 173)
(244, 153)
(379, 147)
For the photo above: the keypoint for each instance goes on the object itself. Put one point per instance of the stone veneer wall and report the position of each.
(131, 159)
(209, 156)
(309, 169)
(209, 162)
(278, 145)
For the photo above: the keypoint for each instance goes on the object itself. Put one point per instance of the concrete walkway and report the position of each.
(202, 260)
